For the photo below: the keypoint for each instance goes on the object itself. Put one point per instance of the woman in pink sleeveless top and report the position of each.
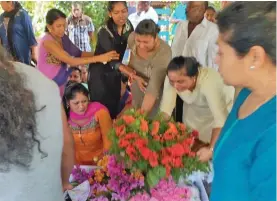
(57, 53)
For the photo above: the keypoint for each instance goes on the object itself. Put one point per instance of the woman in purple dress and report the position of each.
(57, 53)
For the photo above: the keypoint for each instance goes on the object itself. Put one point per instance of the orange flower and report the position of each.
(128, 119)
(143, 125)
(155, 128)
(120, 130)
(182, 126)
(172, 128)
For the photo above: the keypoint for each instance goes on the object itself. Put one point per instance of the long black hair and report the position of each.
(52, 15)
(71, 89)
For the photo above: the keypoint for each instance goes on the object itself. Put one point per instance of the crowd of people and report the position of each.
(218, 77)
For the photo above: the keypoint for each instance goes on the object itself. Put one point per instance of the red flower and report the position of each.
(195, 133)
(140, 143)
(123, 143)
(120, 130)
(155, 128)
(143, 125)
(166, 160)
(177, 162)
(168, 170)
(168, 136)
(177, 150)
(145, 152)
(153, 159)
(131, 152)
(128, 119)
(188, 142)
(156, 137)
(130, 136)
(192, 154)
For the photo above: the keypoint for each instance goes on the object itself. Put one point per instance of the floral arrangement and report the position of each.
(157, 148)
(109, 182)
(168, 190)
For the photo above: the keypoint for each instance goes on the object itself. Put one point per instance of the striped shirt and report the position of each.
(79, 31)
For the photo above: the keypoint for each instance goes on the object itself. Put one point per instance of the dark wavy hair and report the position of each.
(18, 126)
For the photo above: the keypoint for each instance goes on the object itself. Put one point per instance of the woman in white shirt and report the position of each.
(207, 101)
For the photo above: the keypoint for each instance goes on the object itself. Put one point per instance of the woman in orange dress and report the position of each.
(90, 123)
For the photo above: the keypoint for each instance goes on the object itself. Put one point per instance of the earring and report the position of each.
(252, 67)
(67, 106)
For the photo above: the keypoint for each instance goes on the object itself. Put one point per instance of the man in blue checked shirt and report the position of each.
(80, 28)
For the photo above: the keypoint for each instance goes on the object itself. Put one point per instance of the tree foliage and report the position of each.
(97, 10)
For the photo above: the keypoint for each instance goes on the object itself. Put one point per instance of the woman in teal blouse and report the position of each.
(245, 154)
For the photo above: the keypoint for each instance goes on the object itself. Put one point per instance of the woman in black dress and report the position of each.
(104, 80)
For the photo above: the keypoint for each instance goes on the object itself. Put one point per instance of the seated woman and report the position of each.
(207, 100)
(89, 123)
(57, 54)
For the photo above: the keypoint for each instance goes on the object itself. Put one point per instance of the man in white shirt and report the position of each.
(196, 36)
(148, 12)
(135, 18)
(144, 11)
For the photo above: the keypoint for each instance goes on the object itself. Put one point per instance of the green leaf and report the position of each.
(142, 165)
(160, 171)
(176, 173)
(152, 178)
(155, 145)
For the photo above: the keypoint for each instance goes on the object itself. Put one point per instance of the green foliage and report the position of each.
(155, 175)
(37, 10)
(216, 5)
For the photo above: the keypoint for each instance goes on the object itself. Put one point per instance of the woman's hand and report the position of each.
(141, 83)
(205, 154)
(67, 186)
(107, 57)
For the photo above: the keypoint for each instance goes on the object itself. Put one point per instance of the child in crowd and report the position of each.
(211, 14)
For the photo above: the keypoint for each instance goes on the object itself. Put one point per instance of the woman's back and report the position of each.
(42, 182)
